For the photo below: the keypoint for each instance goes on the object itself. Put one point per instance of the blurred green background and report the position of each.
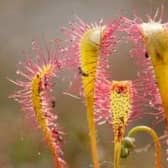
(21, 143)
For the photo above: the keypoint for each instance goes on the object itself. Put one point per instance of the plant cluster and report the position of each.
(87, 51)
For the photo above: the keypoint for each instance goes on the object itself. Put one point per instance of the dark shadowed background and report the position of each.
(21, 21)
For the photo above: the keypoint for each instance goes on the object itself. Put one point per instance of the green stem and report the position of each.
(117, 153)
(155, 138)
(92, 131)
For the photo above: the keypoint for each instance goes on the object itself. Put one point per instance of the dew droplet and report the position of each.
(17, 72)
(35, 45)
(150, 103)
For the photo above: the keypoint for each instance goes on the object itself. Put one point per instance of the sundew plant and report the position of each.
(86, 51)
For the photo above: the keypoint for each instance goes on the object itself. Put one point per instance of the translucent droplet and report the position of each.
(157, 117)
(17, 72)
(35, 45)
(150, 103)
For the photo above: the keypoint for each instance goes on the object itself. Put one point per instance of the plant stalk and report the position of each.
(92, 131)
(155, 138)
(117, 153)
